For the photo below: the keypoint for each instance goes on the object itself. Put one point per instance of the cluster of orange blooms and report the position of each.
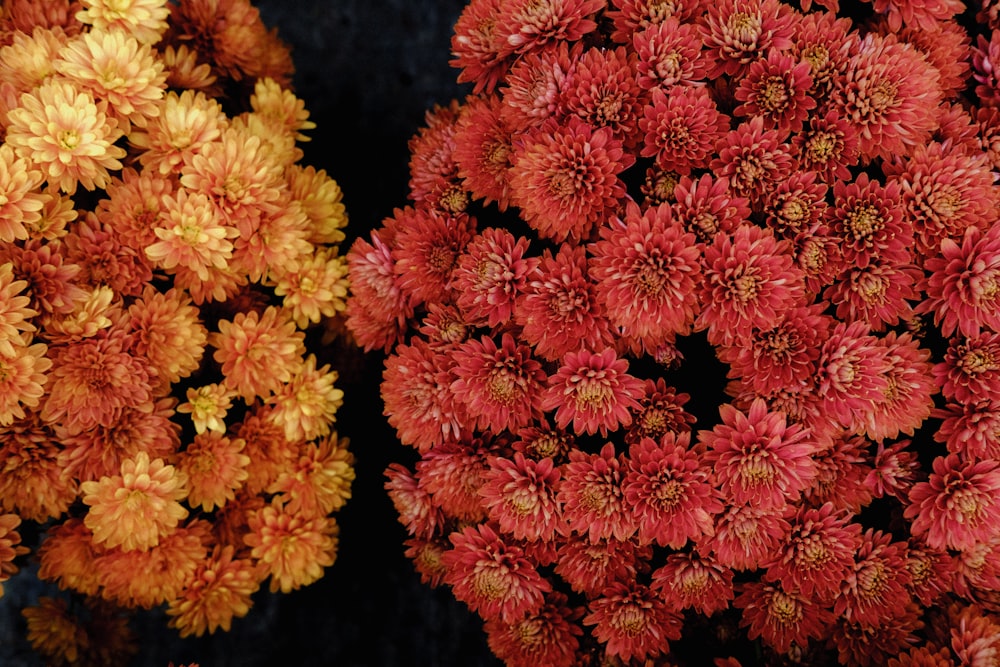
(164, 264)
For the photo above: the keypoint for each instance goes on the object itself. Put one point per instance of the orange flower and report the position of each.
(319, 482)
(305, 407)
(27, 61)
(208, 406)
(54, 633)
(316, 288)
(258, 352)
(185, 124)
(169, 333)
(321, 198)
(66, 134)
(21, 202)
(33, 483)
(67, 557)
(137, 508)
(293, 549)
(215, 467)
(274, 102)
(192, 235)
(143, 19)
(10, 548)
(219, 590)
(22, 376)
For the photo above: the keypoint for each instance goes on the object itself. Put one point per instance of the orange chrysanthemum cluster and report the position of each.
(694, 322)
(162, 264)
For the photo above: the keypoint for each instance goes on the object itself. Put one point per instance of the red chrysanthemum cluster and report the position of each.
(162, 421)
(810, 196)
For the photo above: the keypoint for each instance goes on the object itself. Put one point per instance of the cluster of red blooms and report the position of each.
(165, 433)
(809, 190)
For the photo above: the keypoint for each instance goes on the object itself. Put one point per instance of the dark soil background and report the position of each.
(367, 71)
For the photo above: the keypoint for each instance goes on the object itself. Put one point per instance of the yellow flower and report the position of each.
(194, 236)
(208, 406)
(67, 135)
(135, 509)
(186, 123)
(20, 201)
(314, 288)
(146, 20)
(322, 200)
(279, 104)
(28, 60)
(306, 406)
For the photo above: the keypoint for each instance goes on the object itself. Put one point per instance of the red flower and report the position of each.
(520, 496)
(591, 567)
(826, 42)
(842, 473)
(970, 371)
(495, 579)
(418, 400)
(669, 53)
(959, 506)
(690, 581)
(866, 645)
(647, 268)
(796, 205)
(500, 386)
(426, 251)
(781, 617)
(757, 457)
(453, 473)
(546, 637)
(593, 392)
(868, 221)
(661, 412)
(483, 150)
(828, 146)
(776, 88)
(529, 25)
(985, 63)
(877, 583)
(707, 206)
(963, 288)
(593, 497)
(565, 177)
(634, 16)
(747, 536)
(668, 492)
(908, 397)
(878, 294)
(490, 275)
(417, 511)
(378, 308)
(925, 14)
(681, 129)
(478, 46)
(817, 553)
(738, 32)
(972, 429)
(602, 91)
(633, 622)
(558, 310)
(534, 87)
(895, 470)
(755, 160)
(432, 159)
(749, 280)
(851, 375)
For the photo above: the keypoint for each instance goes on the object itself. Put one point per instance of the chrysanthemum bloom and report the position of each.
(776, 88)
(757, 457)
(923, 657)
(321, 199)
(483, 150)
(533, 90)
(930, 572)
(418, 401)
(559, 310)
(843, 469)
(592, 391)
(378, 309)
(490, 275)
(117, 68)
(93, 381)
(493, 578)
(707, 206)
(970, 371)
(168, 334)
(426, 557)
(454, 474)
(215, 468)
(826, 42)
(958, 506)
(432, 161)
(868, 221)
(413, 503)
(193, 235)
(20, 181)
(944, 190)
(633, 16)
(851, 376)
(23, 367)
(186, 123)
(54, 633)
(314, 289)
(291, 548)
(646, 267)
(749, 279)
(985, 57)
(975, 570)
(689, 580)
(565, 179)
(669, 53)
(797, 205)
(661, 411)
(520, 496)
(500, 385)
(146, 20)
(894, 471)
(828, 146)
(523, 26)
(10, 546)
(908, 398)
(963, 286)
(738, 32)
(976, 639)
(868, 645)
(306, 405)
(879, 294)
(593, 497)
(106, 263)
(923, 14)
(783, 354)
(602, 91)
(136, 508)
(877, 583)
(781, 617)
(668, 492)
(477, 46)
(591, 567)
(885, 92)
(681, 129)
(67, 135)
(545, 637)
(219, 591)
(817, 553)
(15, 315)
(258, 352)
(319, 480)
(632, 621)
(972, 429)
(208, 406)
(67, 556)
(746, 536)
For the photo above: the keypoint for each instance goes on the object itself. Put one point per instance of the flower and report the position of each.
(546, 637)
(491, 273)
(186, 122)
(960, 289)
(10, 546)
(520, 496)
(215, 468)
(143, 19)
(781, 617)
(681, 130)
(633, 621)
(592, 495)
(690, 580)
(776, 89)
(669, 53)
(737, 32)
(306, 406)
(218, 591)
(137, 507)
(291, 548)
(592, 391)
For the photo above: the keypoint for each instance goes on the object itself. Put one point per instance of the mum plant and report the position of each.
(693, 325)
(166, 429)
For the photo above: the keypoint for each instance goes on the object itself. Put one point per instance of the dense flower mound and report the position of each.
(167, 270)
(692, 323)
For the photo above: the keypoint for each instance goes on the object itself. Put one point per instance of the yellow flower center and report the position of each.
(784, 609)
(864, 221)
(631, 621)
(773, 95)
(68, 139)
(491, 583)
